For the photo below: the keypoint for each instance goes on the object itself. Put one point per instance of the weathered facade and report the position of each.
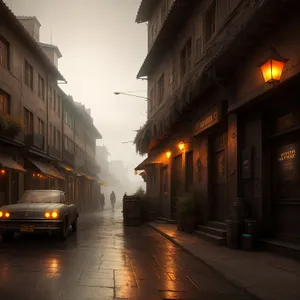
(37, 137)
(213, 121)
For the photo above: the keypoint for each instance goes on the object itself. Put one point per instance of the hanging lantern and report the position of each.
(168, 154)
(272, 67)
(181, 146)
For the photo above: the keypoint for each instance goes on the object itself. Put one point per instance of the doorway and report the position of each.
(164, 190)
(219, 176)
(286, 188)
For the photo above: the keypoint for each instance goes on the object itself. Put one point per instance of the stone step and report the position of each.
(216, 224)
(169, 221)
(283, 248)
(217, 240)
(213, 231)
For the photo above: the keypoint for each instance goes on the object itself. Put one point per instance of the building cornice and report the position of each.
(145, 10)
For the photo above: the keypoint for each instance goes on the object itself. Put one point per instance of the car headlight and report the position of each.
(51, 215)
(4, 214)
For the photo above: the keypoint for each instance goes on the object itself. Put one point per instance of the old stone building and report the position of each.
(216, 120)
(39, 146)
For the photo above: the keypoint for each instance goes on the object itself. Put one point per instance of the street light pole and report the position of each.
(132, 95)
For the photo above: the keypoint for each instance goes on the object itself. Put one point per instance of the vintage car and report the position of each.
(39, 211)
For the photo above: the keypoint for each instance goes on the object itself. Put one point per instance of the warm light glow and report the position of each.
(54, 215)
(272, 70)
(7, 214)
(168, 154)
(47, 215)
(181, 146)
(1, 214)
(2, 172)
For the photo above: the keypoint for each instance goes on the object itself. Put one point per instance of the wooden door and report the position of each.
(286, 188)
(219, 177)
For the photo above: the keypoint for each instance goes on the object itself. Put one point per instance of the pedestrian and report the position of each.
(102, 202)
(113, 200)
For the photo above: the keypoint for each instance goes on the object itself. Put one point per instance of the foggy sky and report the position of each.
(103, 49)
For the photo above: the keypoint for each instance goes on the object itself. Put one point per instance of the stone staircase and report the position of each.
(213, 231)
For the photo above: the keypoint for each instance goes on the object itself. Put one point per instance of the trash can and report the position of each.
(132, 211)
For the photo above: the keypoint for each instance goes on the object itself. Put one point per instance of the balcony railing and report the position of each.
(35, 140)
(68, 157)
(54, 152)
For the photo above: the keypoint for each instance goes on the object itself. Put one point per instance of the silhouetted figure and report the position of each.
(113, 199)
(102, 202)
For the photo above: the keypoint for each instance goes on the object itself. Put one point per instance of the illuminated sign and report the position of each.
(291, 154)
(209, 120)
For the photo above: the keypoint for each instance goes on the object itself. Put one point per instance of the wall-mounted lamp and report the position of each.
(181, 146)
(272, 67)
(168, 154)
(2, 172)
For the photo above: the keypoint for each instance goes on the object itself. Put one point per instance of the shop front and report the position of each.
(210, 161)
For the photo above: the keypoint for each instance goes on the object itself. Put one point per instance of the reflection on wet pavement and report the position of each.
(104, 260)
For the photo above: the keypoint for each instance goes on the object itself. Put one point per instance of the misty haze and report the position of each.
(149, 149)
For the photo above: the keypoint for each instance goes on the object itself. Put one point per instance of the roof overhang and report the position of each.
(145, 10)
(59, 55)
(147, 162)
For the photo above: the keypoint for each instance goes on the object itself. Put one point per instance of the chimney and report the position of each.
(52, 52)
(32, 25)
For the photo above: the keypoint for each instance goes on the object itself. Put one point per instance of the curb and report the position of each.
(244, 290)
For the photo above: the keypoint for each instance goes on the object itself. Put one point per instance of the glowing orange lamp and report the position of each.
(168, 154)
(272, 68)
(181, 146)
(2, 171)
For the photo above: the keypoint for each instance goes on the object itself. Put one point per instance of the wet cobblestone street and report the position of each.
(105, 260)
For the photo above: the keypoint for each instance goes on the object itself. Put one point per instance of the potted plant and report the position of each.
(13, 127)
(187, 213)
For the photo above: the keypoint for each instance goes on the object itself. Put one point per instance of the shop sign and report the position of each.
(209, 120)
(287, 159)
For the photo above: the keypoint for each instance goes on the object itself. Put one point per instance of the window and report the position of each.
(57, 139)
(210, 22)
(69, 145)
(161, 89)
(28, 75)
(4, 104)
(186, 58)
(4, 53)
(68, 119)
(41, 91)
(41, 130)
(50, 96)
(50, 136)
(58, 104)
(28, 121)
(153, 32)
(151, 102)
(54, 100)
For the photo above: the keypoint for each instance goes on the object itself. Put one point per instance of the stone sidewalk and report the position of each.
(263, 275)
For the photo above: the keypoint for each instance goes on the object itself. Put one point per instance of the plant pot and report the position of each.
(190, 224)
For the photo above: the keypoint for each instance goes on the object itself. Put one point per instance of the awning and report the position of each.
(68, 169)
(8, 162)
(46, 168)
(146, 162)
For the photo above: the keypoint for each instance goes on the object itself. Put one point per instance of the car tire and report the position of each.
(64, 229)
(7, 236)
(74, 225)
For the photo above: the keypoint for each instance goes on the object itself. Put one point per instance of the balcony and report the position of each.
(35, 140)
(68, 157)
(54, 152)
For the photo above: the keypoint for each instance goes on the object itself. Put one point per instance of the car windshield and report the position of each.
(40, 197)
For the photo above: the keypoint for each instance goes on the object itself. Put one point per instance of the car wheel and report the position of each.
(64, 229)
(74, 225)
(7, 236)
